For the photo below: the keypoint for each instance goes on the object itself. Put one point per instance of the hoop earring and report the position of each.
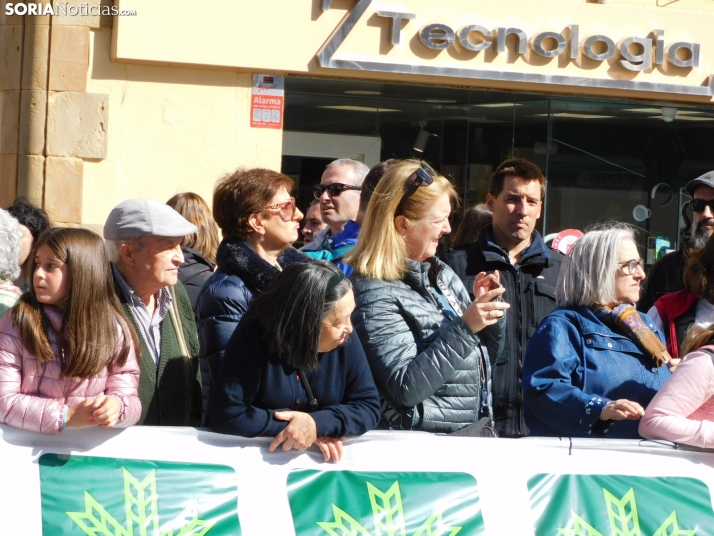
(261, 239)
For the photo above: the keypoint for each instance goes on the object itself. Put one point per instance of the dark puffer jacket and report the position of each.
(225, 298)
(194, 272)
(422, 361)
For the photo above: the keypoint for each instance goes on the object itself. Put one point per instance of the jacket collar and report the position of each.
(347, 236)
(236, 257)
(535, 253)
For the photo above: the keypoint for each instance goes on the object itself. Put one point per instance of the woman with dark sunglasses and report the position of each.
(259, 222)
(427, 344)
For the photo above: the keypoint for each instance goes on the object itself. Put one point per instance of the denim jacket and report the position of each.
(574, 365)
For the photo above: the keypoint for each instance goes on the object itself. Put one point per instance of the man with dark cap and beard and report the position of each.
(665, 276)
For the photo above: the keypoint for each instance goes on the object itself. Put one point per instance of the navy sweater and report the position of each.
(252, 385)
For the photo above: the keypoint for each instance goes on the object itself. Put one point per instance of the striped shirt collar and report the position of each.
(150, 325)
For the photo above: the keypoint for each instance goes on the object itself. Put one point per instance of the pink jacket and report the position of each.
(683, 409)
(32, 395)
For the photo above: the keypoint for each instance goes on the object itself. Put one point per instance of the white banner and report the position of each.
(181, 481)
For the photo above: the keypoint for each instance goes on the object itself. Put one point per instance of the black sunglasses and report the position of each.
(423, 175)
(333, 189)
(698, 205)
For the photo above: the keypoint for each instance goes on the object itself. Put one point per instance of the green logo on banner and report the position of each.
(83, 495)
(348, 503)
(617, 505)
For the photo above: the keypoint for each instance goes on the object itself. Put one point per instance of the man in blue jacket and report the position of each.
(529, 271)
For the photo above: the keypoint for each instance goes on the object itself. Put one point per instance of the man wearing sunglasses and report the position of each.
(339, 195)
(666, 275)
(528, 269)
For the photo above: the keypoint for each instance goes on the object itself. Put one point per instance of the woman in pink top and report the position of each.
(683, 409)
(67, 355)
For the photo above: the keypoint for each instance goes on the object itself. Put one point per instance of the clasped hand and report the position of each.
(100, 411)
(301, 433)
(483, 311)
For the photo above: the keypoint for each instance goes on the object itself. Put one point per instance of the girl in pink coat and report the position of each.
(67, 355)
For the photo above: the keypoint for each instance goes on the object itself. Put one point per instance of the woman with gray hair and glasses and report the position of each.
(10, 238)
(595, 363)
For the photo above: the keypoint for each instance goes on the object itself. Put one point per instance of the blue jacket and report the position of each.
(333, 249)
(574, 365)
(225, 298)
(253, 384)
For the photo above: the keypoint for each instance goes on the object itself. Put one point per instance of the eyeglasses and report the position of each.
(334, 189)
(698, 205)
(287, 209)
(423, 175)
(630, 267)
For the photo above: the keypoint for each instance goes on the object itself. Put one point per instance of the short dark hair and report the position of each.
(32, 217)
(516, 167)
(371, 181)
(242, 193)
(291, 310)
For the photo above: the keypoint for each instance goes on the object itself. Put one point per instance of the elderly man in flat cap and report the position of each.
(143, 238)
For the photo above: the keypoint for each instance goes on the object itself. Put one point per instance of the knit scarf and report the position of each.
(625, 320)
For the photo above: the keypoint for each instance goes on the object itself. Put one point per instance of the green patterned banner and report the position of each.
(90, 496)
(617, 505)
(350, 503)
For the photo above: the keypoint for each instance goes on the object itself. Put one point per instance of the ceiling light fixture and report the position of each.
(362, 92)
(497, 105)
(668, 114)
(422, 138)
(350, 108)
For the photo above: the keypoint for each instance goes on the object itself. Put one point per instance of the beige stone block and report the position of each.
(33, 113)
(8, 179)
(69, 58)
(63, 189)
(77, 124)
(81, 12)
(31, 177)
(37, 54)
(10, 57)
(9, 20)
(9, 121)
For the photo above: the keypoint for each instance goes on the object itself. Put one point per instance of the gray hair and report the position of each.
(10, 238)
(113, 246)
(587, 276)
(360, 169)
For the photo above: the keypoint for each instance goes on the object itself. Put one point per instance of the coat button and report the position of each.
(654, 369)
(299, 402)
(609, 345)
(589, 341)
(162, 383)
(164, 411)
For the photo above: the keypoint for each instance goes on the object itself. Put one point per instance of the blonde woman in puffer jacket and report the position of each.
(67, 355)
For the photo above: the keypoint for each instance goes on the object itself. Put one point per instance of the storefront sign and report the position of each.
(267, 101)
(182, 481)
(632, 53)
(550, 45)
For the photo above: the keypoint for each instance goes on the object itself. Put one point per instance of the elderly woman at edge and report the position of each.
(10, 238)
(423, 337)
(595, 363)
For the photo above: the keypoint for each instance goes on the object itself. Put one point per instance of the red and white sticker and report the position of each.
(267, 101)
(565, 240)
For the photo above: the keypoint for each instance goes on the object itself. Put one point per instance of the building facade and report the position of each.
(612, 99)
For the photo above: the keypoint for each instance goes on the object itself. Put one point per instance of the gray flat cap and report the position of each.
(144, 216)
(705, 180)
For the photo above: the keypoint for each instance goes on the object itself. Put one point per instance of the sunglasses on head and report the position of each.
(287, 209)
(424, 174)
(698, 205)
(334, 189)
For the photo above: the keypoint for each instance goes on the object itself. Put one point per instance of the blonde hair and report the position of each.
(381, 252)
(193, 207)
